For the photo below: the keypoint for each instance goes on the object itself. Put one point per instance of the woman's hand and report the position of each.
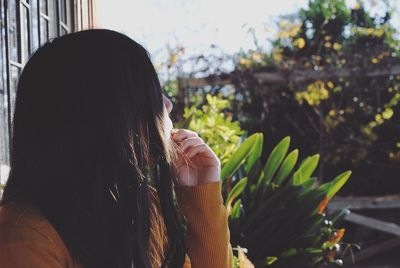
(196, 164)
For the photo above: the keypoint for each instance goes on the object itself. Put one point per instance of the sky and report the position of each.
(194, 24)
(197, 24)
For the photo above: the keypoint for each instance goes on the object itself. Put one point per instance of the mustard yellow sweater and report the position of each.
(27, 239)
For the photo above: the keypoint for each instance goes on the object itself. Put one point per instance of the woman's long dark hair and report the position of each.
(88, 122)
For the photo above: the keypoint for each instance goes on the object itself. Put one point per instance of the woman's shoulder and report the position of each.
(20, 221)
(17, 218)
(24, 231)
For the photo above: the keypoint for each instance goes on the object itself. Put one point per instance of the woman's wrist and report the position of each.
(199, 197)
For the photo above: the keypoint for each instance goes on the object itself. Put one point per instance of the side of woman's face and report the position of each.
(168, 103)
(168, 107)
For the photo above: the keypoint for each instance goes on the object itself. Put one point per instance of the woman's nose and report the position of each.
(168, 103)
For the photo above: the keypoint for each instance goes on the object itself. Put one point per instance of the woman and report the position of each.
(98, 176)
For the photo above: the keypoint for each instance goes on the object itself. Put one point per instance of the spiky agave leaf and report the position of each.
(238, 157)
(274, 161)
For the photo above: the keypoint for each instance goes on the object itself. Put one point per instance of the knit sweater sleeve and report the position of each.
(207, 235)
(27, 247)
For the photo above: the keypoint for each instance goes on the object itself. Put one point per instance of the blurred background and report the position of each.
(324, 72)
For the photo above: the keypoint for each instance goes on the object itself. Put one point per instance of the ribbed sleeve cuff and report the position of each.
(201, 197)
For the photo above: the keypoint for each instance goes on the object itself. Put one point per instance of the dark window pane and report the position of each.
(53, 18)
(25, 33)
(44, 7)
(68, 5)
(15, 72)
(34, 20)
(63, 11)
(44, 30)
(13, 34)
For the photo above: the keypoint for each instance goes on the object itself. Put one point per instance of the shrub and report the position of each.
(276, 211)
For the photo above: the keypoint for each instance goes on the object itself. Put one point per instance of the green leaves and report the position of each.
(271, 215)
(270, 260)
(287, 167)
(239, 156)
(214, 124)
(255, 152)
(274, 161)
(331, 188)
(338, 183)
(305, 170)
(235, 212)
(236, 191)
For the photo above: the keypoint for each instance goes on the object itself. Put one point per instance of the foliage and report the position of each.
(264, 200)
(354, 119)
(214, 125)
(351, 121)
(277, 212)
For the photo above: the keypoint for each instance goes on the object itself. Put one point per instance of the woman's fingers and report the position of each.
(189, 142)
(180, 134)
(199, 148)
(185, 138)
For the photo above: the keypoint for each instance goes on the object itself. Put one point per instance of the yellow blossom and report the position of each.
(282, 23)
(330, 84)
(379, 119)
(245, 62)
(314, 93)
(173, 59)
(372, 124)
(288, 30)
(381, 56)
(257, 56)
(294, 30)
(388, 113)
(337, 46)
(374, 60)
(277, 54)
(327, 45)
(299, 42)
